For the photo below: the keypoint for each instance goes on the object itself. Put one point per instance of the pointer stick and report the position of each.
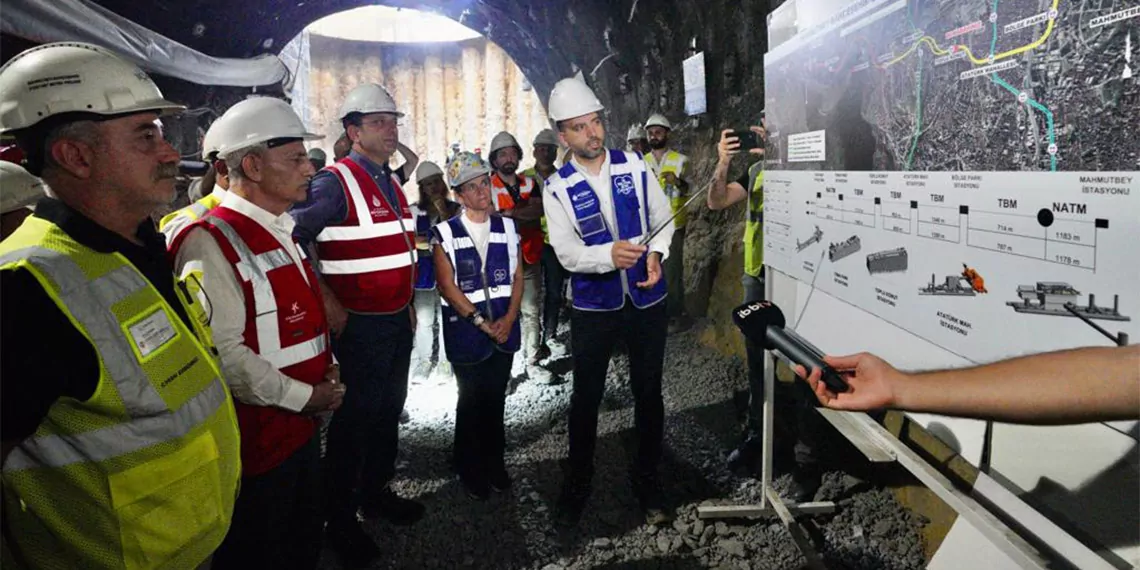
(653, 234)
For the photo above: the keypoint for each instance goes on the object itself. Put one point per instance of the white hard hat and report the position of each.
(503, 140)
(210, 141)
(635, 132)
(58, 78)
(318, 154)
(18, 188)
(368, 98)
(466, 166)
(658, 120)
(257, 120)
(546, 136)
(571, 98)
(426, 170)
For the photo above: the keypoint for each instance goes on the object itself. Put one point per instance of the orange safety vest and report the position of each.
(532, 238)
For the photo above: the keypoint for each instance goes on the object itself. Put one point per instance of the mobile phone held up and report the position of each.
(748, 139)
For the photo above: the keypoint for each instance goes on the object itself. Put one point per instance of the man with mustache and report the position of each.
(119, 439)
(516, 196)
(358, 226)
(601, 205)
(671, 169)
(266, 312)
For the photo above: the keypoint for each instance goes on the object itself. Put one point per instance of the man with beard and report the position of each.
(671, 169)
(515, 196)
(269, 325)
(601, 205)
(358, 219)
(553, 274)
(119, 439)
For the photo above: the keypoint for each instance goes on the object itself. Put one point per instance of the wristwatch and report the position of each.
(476, 318)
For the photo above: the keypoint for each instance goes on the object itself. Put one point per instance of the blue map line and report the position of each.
(1016, 92)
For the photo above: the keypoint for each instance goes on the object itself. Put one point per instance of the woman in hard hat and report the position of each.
(481, 281)
(19, 191)
(433, 208)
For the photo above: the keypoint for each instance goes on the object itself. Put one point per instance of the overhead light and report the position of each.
(391, 25)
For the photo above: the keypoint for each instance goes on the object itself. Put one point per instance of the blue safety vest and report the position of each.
(607, 291)
(425, 267)
(488, 287)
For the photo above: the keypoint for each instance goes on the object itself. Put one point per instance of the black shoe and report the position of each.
(652, 501)
(745, 459)
(477, 487)
(571, 502)
(542, 353)
(349, 541)
(405, 417)
(806, 481)
(500, 480)
(393, 508)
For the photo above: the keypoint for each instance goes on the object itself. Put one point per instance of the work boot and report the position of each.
(806, 480)
(349, 541)
(477, 487)
(651, 500)
(745, 460)
(393, 508)
(500, 480)
(542, 353)
(571, 502)
(405, 417)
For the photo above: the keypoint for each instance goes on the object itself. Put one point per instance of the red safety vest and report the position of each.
(284, 324)
(531, 238)
(369, 259)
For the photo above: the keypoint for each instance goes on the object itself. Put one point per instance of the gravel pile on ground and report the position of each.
(516, 529)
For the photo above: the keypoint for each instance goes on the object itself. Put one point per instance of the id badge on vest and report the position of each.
(150, 332)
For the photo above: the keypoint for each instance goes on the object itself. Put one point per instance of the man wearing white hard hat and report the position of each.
(318, 159)
(19, 191)
(175, 222)
(433, 208)
(545, 152)
(671, 169)
(517, 196)
(119, 438)
(359, 227)
(636, 141)
(268, 319)
(481, 280)
(601, 205)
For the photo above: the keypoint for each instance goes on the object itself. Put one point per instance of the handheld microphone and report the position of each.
(764, 323)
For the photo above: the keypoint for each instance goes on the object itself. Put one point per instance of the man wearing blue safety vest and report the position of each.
(602, 204)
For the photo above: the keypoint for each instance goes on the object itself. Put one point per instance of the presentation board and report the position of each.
(966, 171)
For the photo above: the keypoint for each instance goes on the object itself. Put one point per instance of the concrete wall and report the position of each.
(462, 92)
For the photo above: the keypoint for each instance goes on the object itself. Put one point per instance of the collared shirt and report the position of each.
(252, 379)
(326, 203)
(575, 255)
(45, 356)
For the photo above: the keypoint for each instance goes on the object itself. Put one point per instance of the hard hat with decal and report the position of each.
(72, 77)
(465, 167)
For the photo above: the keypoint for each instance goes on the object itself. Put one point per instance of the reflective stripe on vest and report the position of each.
(255, 269)
(532, 238)
(753, 223)
(177, 221)
(368, 260)
(607, 291)
(673, 162)
(487, 284)
(143, 474)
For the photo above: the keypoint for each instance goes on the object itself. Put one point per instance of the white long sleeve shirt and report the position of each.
(573, 253)
(252, 379)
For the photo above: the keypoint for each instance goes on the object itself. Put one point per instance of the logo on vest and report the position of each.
(624, 184)
(378, 210)
(500, 276)
(297, 316)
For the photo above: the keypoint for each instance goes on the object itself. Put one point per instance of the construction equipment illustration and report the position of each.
(1060, 299)
(887, 261)
(815, 237)
(837, 251)
(976, 281)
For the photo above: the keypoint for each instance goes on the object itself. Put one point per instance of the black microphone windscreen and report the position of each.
(753, 319)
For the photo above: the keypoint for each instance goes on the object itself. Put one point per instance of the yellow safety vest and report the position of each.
(144, 473)
(754, 222)
(675, 163)
(173, 223)
(532, 173)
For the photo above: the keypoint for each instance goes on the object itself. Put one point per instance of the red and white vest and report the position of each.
(369, 259)
(284, 323)
(532, 238)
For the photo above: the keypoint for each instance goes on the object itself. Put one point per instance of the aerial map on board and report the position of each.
(958, 167)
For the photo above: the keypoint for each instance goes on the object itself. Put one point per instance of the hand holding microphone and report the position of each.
(763, 322)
